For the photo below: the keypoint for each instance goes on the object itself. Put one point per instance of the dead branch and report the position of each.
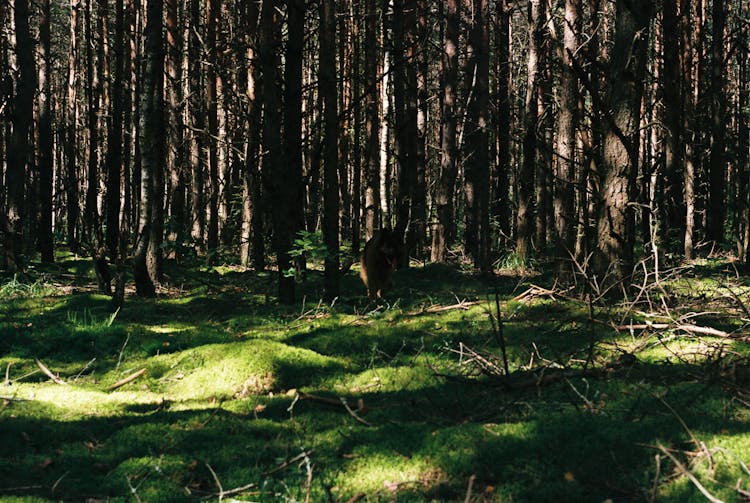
(130, 378)
(689, 475)
(535, 291)
(461, 305)
(695, 329)
(341, 401)
(286, 464)
(356, 498)
(48, 372)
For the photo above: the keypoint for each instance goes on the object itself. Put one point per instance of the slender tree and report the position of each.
(327, 79)
(441, 234)
(525, 212)
(151, 141)
(20, 149)
(566, 140)
(615, 220)
(716, 211)
(372, 121)
(46, 144)
(71, 124)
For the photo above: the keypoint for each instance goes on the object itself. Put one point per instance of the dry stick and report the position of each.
(236, 490)
(656, 478)
(461, 305)
(288, 462)
(48, 372)
(7, 373)
(353, 414)
(467, 499)
(131, 377)
(356, 498)
(715, 332)
(218, 482)
(689, 474)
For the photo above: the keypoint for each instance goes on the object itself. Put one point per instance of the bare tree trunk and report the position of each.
(476, 169)
(151, 139)
(615, 230)
(198, 122)
(441, 236)
(716, 214)
(20, 149)
(354, 11)
(175, 150)
(296, 11)
(46, 143)
(212, 22)
(371, 102)
(275, 168)
(73, 209)
(501, 204)
(114, 158)
(525, 214)
(567, 123)
(251, 183)
(327, 81)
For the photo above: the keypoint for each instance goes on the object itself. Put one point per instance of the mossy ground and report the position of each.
(225, 403)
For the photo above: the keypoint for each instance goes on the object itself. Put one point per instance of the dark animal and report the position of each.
(381, 256)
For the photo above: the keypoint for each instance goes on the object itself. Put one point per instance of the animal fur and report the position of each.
(380, 257)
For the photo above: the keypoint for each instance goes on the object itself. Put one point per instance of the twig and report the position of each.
(689, 474)
(7, 373)
(131, 377)
(715, 332)
(356, 498)
(353, 414)
(461, 305)
(657, 457)
(217, 481)
(467, 499)
(57, 482)
(48, 372)
(286, 464)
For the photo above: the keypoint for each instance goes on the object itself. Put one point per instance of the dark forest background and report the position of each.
(593, 134)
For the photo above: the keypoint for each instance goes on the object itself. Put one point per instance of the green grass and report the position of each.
(242, 393)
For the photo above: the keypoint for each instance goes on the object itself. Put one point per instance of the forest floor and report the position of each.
(233, 397)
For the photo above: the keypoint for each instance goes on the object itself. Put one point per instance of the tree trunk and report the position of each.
(20, 149)
(441, 236)
(476, 169)
(276, 170)
(198, 122)
(175, 150)
(327, 81)
(46, 143)
(613, 259)
(501, 210)
(372, 121)
(73, 209)
(524, 216)
(716, 211)
(114, 159)
(151, 140)
(296, 11)
(567, 123)
(212, 22)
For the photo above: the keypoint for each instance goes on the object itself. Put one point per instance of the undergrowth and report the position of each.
(213, 391)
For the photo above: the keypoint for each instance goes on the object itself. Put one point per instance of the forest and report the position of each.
(548, 203)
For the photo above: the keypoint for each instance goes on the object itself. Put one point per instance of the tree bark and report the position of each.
(46, 143)
(372, 120)
(441, 235)
(716, 214)
(275, 167)
(567, 123)
(327, 79)
(613, 260)
(20, 149)
(151, 140)
(525, 213)
(71, 192)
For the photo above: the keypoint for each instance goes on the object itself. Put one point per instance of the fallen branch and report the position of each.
(130, 378)
(695, 329)
(341, 401)
(48, 372)
(689, 474)
(461, 305)
(535, 291)
(286, 464)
